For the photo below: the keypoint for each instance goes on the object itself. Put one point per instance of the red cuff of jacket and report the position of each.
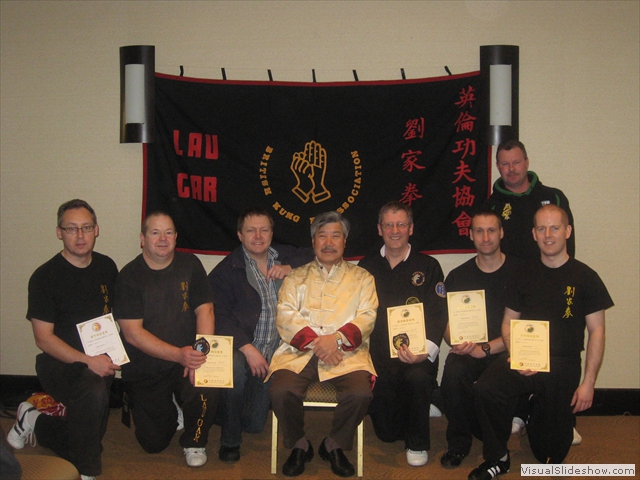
(352, 334)
(303, 338)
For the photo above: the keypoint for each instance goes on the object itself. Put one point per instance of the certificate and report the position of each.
(467, 317)
(100, 336)
(529, 345)
(217, 371)
(406, 327)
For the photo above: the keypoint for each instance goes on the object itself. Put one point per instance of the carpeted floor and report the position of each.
(606, 440)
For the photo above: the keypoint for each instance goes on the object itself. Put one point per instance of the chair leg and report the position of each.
(360, 448)
(274, 443)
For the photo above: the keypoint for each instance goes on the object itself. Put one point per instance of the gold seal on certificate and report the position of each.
(467, 317)
(217, 371)
(529, 345)
(406, 327)
(100, 336)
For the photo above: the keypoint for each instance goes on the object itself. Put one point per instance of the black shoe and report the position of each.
(340, 464)
(489, 470)
(452, 459)
(229, 454)
(294, 465)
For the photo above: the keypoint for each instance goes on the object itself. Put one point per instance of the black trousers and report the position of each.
(460, 373)
(550, 427)
(401, 402)
(155, 415)
(78, 436)
(287, 392)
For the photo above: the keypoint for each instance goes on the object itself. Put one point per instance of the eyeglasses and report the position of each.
(399, 225)
(74, 230)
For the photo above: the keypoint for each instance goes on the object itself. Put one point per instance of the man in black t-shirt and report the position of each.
(162, 300)
(571, 296)
(73, 287)
(491, 270)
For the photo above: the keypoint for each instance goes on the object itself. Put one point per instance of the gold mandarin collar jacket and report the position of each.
(313, 303)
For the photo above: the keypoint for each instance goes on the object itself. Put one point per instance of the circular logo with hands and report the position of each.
(310, 168)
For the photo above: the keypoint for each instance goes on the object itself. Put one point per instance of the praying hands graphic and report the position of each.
(310, 168)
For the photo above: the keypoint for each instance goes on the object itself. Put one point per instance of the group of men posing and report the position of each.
(299, 316)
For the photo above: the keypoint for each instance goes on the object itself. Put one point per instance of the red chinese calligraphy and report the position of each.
(466, 97)
(467, 146)
(410, 194)
(462, 171)
(463, 222)
(463, 196)
(411, 160)
(465, 122)
(415, 128)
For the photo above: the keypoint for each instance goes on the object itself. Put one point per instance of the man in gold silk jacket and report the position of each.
(326, 313)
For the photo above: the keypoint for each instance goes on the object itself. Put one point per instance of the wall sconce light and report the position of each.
(500, 71)
(137, 93)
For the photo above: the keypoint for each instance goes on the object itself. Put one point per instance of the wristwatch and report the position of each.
(338, 340)
(486, 348)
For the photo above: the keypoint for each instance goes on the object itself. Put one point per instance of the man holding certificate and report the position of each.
(569, 296)
(162, 300)
(405, 279)
(74, 286)
(326, 312)
(484, 277)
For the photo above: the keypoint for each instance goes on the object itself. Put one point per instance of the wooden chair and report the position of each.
(319, 394)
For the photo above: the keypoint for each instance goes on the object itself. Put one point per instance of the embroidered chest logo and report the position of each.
(412, 300)
(417, 279)
(105, 295)
(184, 288)
(570, 293)
(441, 290)
(506, 211)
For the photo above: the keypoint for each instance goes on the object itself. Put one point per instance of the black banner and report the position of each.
(300, 149)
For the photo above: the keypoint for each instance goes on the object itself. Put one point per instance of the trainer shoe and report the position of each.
(417, 458)
(22, 430)
(195, 457)
(517, 424)
(489, 470)
(577, 438)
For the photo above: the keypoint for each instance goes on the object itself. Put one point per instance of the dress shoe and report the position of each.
(294, 465)
(229, 454)
(340, 464)
(452, 459)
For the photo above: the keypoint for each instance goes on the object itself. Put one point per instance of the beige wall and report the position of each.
(60, 114)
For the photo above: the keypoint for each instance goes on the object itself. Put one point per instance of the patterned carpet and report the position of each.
(605, 440)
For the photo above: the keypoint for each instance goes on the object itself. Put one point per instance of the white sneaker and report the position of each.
(434, 412)
(577, 438)
(180, 415)
(417, 459)
(195, 457)
(517, 424)
(22, 430)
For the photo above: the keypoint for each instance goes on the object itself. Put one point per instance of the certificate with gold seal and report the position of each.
(100, 336)
(529, 345)
(467, 317)
(217, 371)
(406, 327)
